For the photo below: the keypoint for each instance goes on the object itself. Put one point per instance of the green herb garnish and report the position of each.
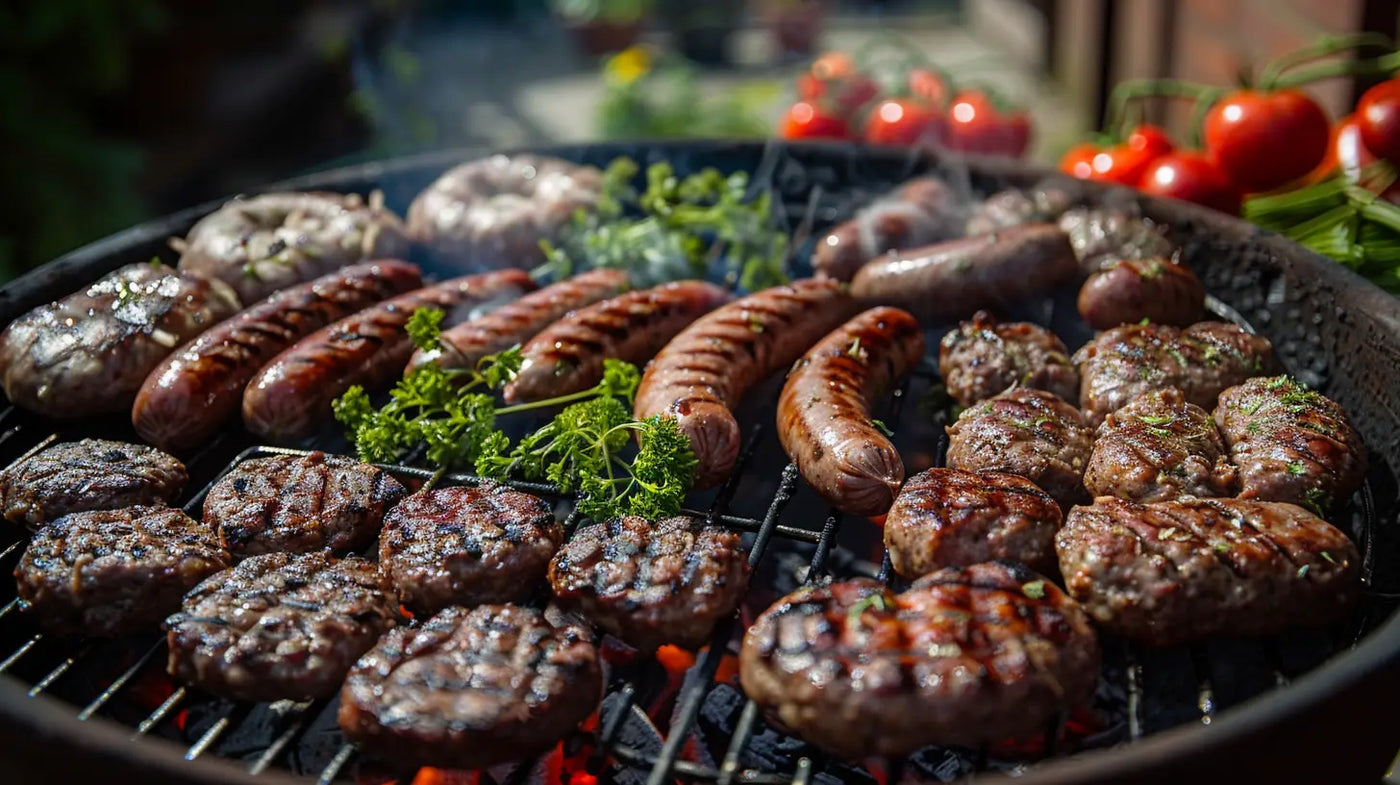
(1035, 589)
(1155, 419)
(876, 601)
(1297, 468)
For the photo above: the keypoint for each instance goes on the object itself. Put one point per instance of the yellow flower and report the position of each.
(629, 65)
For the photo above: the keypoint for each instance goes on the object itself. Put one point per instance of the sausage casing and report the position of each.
(706, 369)
(567, 356)
(952, 280)
(466, 344)
(824, 410)
(195, 390)
(923, 210)
(288, 398)
(1126, 291)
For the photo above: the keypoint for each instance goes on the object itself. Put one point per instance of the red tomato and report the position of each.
(929, 86)
(1263, 140)
(1378, 117)
(977, 126)
(1193, 177)
(905, 121)
(836, 75)
(1079, 160)
(809, 87)
(1150, 141)
(1349, 152)
(834, 65)
(809, 120)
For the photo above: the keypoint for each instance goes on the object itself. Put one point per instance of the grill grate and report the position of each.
(1141, 691)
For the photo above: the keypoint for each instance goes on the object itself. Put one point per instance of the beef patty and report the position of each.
(92, 474)
(1158, 447)
(982, 358)
(1028, 432)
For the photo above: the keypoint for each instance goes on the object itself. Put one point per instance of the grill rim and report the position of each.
(1371, 669)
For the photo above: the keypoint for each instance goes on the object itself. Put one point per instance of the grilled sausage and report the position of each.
(1200, 360)
(1130, 290)
(921, 211)
(1032, 433)
(1183, 570)
(708, 367)
(1290, 443)
(1106, 234)
(294, 392)
(1018, 207)
(951, 280)
(824, 410)
(568, 355)
(193, 392)
(266, 243)
(466, 344)
(494, 211)
(89, 352)
(982, 358)
(1157, 448)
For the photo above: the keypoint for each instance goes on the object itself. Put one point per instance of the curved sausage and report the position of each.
(923, 210)
(952, 280)
(824, 410)
(708, 367)
(463, 346)
(567, 356)
(1130, 290)
(288, 398)
(189, 396)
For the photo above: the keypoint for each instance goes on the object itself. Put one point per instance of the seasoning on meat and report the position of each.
(1184, 570)
(89, 474)
(981, 358)
(300, 503)
(467, 546)
(1159, 447)
(967, 656)
(1028, 432)
(107, 573)
(652, 583)
(279, 626)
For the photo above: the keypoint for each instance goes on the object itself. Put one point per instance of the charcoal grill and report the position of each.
(1305, 707)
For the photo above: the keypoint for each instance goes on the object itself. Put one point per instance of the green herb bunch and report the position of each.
(453, 414)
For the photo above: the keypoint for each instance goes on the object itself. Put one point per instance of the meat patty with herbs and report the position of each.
(982, 358)
(1032, 433)
(966, 656)
(1158, 447)
(1200, 360)
(652, 583)
(1291, 444)
(953, 518)
(472, 688)
(280, 626)
(467, 546)
(90, 474)
(300, 503)
(106, 573)
(1180, 571)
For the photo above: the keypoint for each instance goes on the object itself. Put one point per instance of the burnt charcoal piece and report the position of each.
(467, 546)
(982, 358)
(1159, 447)
(471, 688)
(300, 504)
(91, 474)
(1028, 432)
(280, 625)
(106, 573)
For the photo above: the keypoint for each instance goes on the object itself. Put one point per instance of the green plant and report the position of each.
(647, 97)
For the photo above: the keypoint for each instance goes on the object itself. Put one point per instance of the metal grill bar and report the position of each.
(343, 756)
(301, 716)
(216, 730)
(24, 648)
(57, 673)
(121, 681)
(161, 712)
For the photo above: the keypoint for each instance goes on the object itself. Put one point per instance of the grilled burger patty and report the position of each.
(1290, 443)
(1201, 360)
(114, 572)
(1158, 447)
(1028, 432)
(471, 688)
(279, 625)
(952, 518)
(982, 358)
(968, 655)
(1179, 571)
(300, 504)
(652, 583)
(467, 546)
(91, 474)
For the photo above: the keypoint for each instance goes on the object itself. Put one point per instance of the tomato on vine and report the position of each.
(1192, 177)
(905, 121)
(978, 125)
(1262, 140)
(812, 120)
(1378, 120)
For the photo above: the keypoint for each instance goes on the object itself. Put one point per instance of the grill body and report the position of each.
(1330, 328)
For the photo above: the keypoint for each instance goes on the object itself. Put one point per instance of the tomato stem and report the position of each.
(1127, 92)
(1384, 64)
(1327, 46)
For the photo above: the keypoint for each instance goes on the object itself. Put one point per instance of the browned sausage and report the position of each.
(466, 344)
(1130, 290)
(288, 398)
(952, 280)
(189, 396)
(923, 210)
(707, 368)
(568, 355)
(824, 411)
